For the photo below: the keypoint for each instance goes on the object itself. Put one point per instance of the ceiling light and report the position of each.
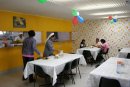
(117, 17)
(109, 13)
(97, 6)
(60, 0)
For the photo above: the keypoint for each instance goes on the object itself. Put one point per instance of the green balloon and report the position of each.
(74, 12)
(111, 21)
(42, 1)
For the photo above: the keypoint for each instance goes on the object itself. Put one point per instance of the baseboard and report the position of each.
(11, 71)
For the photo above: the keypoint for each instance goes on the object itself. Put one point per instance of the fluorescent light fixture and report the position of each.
(97, 6)
(117, 17)
(60, 0)
(109, 13)
(122, 16)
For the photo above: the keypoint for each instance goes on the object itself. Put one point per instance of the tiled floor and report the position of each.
(15, 80)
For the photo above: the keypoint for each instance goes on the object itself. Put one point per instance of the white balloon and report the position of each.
(115, 17)
(78, 13)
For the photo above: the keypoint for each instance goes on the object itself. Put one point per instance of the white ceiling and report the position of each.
(88, 9)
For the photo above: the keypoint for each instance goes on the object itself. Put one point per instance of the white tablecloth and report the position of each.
(51, 66)
(94, 51)
(108, 70)
(123, 53)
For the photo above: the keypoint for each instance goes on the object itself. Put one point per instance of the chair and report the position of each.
(40, 73)
(102, 61)
(88, 57)
(128, 56)
(105, 82)
(75, 65)
(67, 71)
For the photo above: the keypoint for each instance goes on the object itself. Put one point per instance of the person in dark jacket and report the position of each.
(28, 48)
(82, 44)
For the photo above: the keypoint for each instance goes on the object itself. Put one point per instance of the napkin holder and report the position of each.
(120, 66)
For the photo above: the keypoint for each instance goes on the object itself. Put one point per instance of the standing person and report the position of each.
(49, 49)
(29, 46)
(82, 44)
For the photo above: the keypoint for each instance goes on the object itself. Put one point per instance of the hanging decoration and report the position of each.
(75, 12)
(42, 1)
(115, 19)
(77, 18)
(112, 19)
(80, 19)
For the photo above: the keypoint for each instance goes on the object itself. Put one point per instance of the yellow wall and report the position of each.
(11, 57)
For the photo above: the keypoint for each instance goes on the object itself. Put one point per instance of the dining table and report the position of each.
(94, 51)
(52, 66)
(110, 69)
(123, 52)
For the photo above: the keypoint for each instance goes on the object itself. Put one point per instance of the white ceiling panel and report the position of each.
(88, 9)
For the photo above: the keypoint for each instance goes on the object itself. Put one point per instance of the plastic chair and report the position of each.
(75, 65)
(105, 82)
(40, 73)
(88, 57)
(67, 71)
(128, 56)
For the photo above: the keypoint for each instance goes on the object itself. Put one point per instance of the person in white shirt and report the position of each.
(98, 43)
(19, 38)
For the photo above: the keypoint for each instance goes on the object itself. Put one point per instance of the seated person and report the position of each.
(104, 49)
(82, 44)
(104, 46)
(98, 43)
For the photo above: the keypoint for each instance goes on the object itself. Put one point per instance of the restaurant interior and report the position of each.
(90, 48)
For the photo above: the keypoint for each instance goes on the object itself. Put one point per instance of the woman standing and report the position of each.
(29, 46)
(49, 49)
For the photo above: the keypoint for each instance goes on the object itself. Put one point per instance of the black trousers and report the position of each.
(25, 60)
